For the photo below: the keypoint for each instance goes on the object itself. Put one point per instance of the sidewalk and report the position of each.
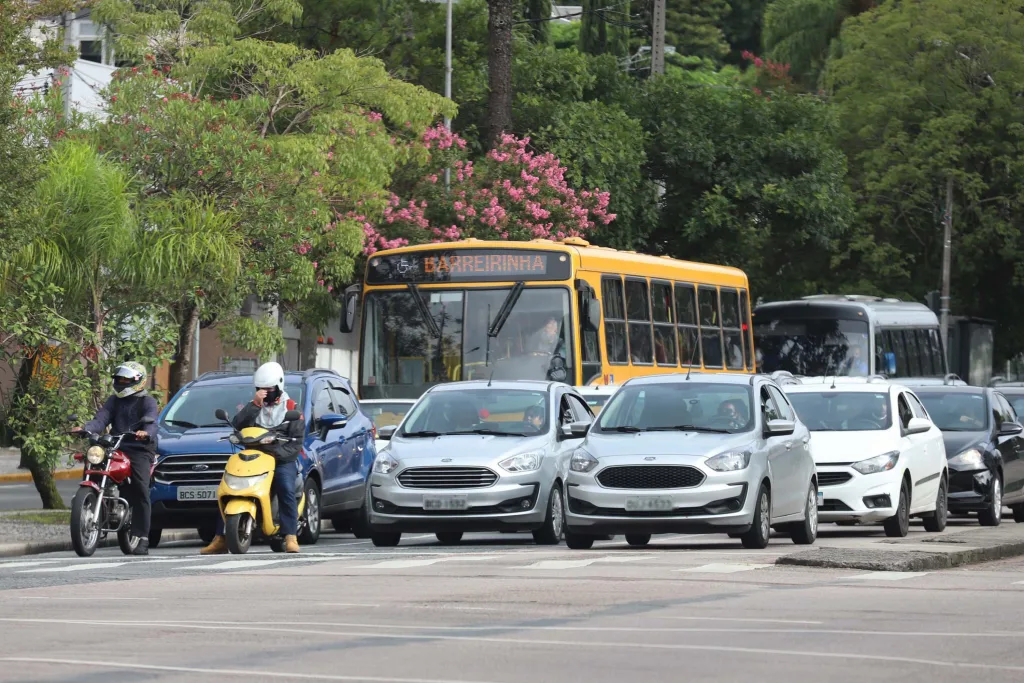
(9, 472)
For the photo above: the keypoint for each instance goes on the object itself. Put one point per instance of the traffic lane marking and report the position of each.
(884, 576)
(723, 568)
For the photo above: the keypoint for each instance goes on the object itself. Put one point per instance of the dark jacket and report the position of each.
(288, 452)
(124, 416)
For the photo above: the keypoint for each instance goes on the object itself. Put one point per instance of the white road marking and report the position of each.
(238, 564)
(722, 568)
(347, 604)
(12, 565)
(742, 619)
(91, 598)
(577, 564)
(409, 564)
(132, 666)
(883, 576)
(75, 567)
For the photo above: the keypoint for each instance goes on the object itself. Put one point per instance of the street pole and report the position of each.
(658, 38)
(448, 81)
(947, 248)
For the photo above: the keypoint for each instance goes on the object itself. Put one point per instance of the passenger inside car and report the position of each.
(730, 413)
(533, 420)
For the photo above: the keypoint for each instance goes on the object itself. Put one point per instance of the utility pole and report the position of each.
(65, 83)
(658, 38)
(947, 248)
(448, 82)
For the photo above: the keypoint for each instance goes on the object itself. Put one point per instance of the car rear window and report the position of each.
(195, 407)
(386, 414)
(956, 411)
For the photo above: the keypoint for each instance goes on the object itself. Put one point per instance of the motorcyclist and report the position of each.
(123, 413)
(267, 410)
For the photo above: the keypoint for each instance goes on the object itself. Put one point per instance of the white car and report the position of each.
(386, 412)
(597, 395)
(878, 454)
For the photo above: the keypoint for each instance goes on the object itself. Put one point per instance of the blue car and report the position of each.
(336, 459)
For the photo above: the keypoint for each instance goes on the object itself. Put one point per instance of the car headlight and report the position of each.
(525, 462)
(384, 464)
(241, 483)
(732, 461)
(582, 461)
(95, 455)
(971, 459)
(879, 463)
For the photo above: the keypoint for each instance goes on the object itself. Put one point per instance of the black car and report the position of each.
(984, 447)
(1014, 393)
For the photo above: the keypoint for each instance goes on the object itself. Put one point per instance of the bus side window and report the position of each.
(686, 319)
(710, 327)
(925, 351)
(938, 359)
(664, 323)
(615, 343)
(731, 327)
(748, 332)
(590, 344)
(638, 313)
(900, 349)
(913, 353)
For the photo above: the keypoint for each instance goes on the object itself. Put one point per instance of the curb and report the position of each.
(903, 561)
(37, 548)
(26, 477)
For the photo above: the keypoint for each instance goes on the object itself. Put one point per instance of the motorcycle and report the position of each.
(98, 508)
(244, 495)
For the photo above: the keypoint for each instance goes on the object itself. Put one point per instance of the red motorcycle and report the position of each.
(98, 508)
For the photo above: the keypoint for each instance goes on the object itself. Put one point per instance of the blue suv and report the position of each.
(336, 459)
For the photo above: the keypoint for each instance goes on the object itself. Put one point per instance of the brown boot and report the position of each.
(291, 544)
(218, 546)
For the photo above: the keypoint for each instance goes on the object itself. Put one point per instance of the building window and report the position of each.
(91, 50)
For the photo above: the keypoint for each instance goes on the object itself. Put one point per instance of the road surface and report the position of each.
(25, 496)
(499, 609)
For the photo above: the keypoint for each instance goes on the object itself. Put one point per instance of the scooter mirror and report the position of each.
(220, 414)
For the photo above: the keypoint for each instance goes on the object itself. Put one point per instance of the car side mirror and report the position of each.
(385, 433)
(574, 430)
(292, 416)
(220, 414)
(331, 421)
(1010, 429)
(918, 425)
(780, 427)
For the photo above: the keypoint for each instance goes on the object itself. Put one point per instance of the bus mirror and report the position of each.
(593, 314)
(349, 308)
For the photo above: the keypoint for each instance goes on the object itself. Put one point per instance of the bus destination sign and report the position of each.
(468, 265)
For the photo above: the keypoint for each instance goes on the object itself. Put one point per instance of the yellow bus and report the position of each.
(563, 311)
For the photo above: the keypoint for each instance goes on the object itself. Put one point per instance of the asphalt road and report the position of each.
(25, 496)
(498, 609)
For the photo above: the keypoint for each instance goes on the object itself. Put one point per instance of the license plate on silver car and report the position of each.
(197, 493)
(445, 503)
(648, 504)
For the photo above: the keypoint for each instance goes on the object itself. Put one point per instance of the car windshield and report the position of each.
(196, 405)
(813, 348)
(842, 411)
(596, 401)
(386, 414)
(405, 353)
(501, 412)
(956, 411)
(683, 405)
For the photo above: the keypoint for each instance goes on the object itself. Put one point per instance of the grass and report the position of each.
(62, 517)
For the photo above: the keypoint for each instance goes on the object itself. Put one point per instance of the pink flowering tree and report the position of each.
(769, 75)
(512, 193)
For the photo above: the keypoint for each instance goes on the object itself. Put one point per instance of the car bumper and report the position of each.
(170, 513)
(863, 498)
(970, 491)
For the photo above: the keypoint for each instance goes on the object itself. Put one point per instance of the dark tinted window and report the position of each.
(637, 305)
(709, 307)
(686, 304)
(615, 343)
(661, 302)
(956, 411)
(638, 309)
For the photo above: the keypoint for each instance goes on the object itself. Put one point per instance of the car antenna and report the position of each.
(491, 378)
(692, 352)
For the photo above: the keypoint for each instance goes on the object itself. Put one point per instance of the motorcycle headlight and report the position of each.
(879, 463)
(95, 455)
(384, 464)
(971, 459)
(525, 462)
(582, 461)
(241, 483)
(732, 461)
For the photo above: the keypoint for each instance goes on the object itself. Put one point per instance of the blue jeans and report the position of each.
(283, 487)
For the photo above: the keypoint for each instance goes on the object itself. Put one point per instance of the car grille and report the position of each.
(833, 505)
(191, 470)
(447, 478)
(650, 477)
(833, 478)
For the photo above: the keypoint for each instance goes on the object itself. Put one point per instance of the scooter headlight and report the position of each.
(269, 439)
(234, 439)
(95, 455)
(241, 483)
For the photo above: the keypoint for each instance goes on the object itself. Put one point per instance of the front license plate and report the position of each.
(197, 493)
(821, 498)
(648, 504)
(445, 503)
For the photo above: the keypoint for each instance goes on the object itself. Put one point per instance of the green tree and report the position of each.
(602, 29)
(538, 13)
(694, 27)
(928, 93)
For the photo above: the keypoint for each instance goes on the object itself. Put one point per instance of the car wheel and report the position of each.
(360, 526)
(638, 540)
(1018, 512)
(806, 532)
(937, 520)
(449, 537)
(341, 523)
(761, 528)
(554, 521)
(898, 525)
(993, 514)
(154, 537)
(578, 541)
(385, 539)
(309, 530)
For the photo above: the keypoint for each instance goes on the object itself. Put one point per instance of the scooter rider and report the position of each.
(123, 413)
(267, 410)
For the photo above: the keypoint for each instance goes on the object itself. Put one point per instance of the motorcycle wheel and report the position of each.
(85, 534)
(235, 532)
(125, 540)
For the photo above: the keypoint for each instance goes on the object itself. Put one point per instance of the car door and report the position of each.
(1012, 449)
(796, 456)
(326, 448)
(914, 447)
(933, 450)
(353, 439)
(777, 455)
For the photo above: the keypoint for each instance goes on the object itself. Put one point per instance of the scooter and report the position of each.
(244, 495)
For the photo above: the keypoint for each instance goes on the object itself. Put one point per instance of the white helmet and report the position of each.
(269, 375)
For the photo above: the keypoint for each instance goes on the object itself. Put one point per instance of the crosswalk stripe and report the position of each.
(238, 564)
(75, 567)
(722, 568)
(884, 576)
(14, 565)
(578, 564)
(409, 564)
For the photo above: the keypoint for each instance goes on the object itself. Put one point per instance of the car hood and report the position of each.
(602, 445)
(200, 440)
(462, 449)
(836, 447)
(958, 442)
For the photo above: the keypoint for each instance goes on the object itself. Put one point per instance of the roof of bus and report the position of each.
(885, 311)
(602, 259)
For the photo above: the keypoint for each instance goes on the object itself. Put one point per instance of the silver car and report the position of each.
(478, 456)
(701, 453)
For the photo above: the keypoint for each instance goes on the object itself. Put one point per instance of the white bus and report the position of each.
(849, 335)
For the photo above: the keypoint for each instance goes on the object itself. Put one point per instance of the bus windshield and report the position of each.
(404, 351)
(813, 347)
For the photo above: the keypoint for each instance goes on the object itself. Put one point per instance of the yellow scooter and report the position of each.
(244, 495)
